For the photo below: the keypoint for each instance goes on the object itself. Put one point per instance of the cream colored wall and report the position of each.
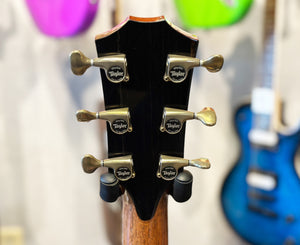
(42, 186)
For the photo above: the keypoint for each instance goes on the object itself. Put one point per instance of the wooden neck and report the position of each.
(265, 110)
(136, 231)
(268, 44)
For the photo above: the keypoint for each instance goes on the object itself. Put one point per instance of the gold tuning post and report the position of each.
(119, 119)
(169, 165)
(122, 166)
(115, 65)
(178, 66)
(173, 119)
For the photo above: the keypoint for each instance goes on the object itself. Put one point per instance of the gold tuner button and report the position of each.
(178, 66)
(119, 119)
(173, 119)
(115, 65)
(122, 166)
(169, 165)
(207, 116)
(213, 63)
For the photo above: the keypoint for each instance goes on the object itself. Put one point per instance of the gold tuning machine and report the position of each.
(173, 119)
(169, 165)
(115, 65)
(122, 166)
(119, 119)
(178, 66)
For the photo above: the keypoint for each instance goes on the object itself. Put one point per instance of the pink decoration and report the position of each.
(62, 18)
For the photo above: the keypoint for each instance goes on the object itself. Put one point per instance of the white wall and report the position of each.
(42, 186)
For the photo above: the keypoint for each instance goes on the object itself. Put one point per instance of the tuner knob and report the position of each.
(122, 166)
(173, 119)
(182, 186)
(178, 66)
(119, 119)
(169, 165)
(109, 187)
(115, 65)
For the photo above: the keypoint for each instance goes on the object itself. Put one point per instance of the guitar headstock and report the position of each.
(146, 72)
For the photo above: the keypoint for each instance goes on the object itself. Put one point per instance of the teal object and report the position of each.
(211, 13)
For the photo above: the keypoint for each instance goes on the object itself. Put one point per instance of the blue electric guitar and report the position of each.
(261, 195)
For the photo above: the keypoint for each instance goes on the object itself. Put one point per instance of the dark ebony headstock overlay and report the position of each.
(146, 46)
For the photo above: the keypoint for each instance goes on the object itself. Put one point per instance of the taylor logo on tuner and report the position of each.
(173, 126)
(177, 73)
(119, 126)
(123, 173)
(115, 73)
(169, 173)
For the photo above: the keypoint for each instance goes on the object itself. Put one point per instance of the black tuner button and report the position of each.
(182, 186)
(109, 187)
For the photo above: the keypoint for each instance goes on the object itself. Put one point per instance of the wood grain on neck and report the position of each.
(269, 44)
(270, 119)
(136, 231)
(269, 21)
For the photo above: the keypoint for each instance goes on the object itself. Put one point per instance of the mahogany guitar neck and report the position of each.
(137, 231)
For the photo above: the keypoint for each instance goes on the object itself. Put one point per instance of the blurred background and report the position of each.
(45, 198)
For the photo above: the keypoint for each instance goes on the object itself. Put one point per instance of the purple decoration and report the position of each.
(63, 18)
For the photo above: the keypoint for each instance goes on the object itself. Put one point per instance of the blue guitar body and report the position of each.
(268, 217)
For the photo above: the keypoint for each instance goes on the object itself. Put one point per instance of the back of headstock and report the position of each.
(146, 72)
